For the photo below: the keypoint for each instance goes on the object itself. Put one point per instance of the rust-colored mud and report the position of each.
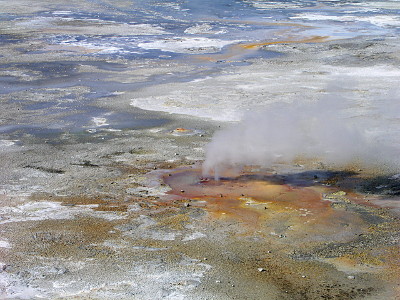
(300, 215)
(251, 198)
(306, 209)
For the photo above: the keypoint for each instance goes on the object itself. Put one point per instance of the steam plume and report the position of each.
(323, 131)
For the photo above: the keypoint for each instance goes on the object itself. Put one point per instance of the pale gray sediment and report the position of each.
(82, 211)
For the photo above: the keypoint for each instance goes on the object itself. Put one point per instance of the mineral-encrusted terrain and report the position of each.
(101, 195)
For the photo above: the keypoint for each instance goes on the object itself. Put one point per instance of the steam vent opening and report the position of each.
(200, 149)
(316, 218)
(303, 199)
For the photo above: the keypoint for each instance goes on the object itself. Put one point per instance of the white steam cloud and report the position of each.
(326, 131)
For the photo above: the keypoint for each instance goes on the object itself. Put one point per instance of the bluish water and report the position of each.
(231, 21)
(140, 29)
(178, 30)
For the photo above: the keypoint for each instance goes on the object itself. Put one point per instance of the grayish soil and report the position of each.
(85, 214)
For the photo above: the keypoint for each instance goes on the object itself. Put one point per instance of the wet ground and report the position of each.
(106, 111)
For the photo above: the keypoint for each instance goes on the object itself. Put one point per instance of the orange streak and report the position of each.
(315, 39)
(238, 50)
(260, 23)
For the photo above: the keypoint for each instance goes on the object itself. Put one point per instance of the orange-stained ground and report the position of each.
(302, 213)
(254, 197)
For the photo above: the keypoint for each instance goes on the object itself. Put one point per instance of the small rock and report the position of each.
(217, 281)
(351, 277)
(186, 204)
(3, 267)
(261, 270)
(303, 276)
(182, 191)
